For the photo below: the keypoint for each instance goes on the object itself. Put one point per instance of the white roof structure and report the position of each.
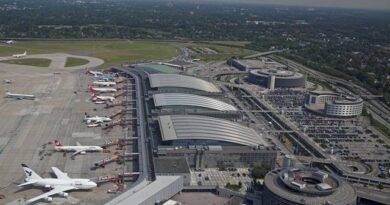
(188, 127)
(161, 189)
(182, 99)
(181, 81)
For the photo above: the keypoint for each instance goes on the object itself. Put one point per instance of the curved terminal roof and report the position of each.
(172, 99)
(182, 81)
(189, 127)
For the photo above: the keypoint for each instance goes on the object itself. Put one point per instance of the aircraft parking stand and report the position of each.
(26, 127)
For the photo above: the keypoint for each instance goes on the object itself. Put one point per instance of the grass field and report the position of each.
(39, 62)
(71, 61)
(111, 51)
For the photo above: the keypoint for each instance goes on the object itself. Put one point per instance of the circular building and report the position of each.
(280, 78)
(333, 104)
(306, 186)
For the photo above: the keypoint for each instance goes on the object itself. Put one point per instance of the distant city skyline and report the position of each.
(357, 4)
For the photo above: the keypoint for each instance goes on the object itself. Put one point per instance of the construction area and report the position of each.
(60, 111)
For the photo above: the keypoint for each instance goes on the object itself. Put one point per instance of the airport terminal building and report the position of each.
(192, 119)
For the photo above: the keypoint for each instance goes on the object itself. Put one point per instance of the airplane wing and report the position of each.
(59, 173)
(27, 183)
(78, 152)
(56, 190)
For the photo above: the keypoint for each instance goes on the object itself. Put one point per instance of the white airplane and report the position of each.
(94, 73)
(97, 98)
(10, 42)
(20, 55)
(58, 185)
(19, 96)
(96, 119)
(102, 90)
(78, 149)
(104, 83)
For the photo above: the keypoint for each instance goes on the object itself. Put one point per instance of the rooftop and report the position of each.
(171, 165)
(277, 73)
(181, 81)
(190, 127)
(315, 189)
(181, 99)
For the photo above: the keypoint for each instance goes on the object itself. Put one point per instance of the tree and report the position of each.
(259, 172)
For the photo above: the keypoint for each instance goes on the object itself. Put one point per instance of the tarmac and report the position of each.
(27, 126)
(58, 61)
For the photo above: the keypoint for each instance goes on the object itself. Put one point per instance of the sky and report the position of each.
(360, 4)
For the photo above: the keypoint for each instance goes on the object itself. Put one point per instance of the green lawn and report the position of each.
(71, 61)
(38, 62)
(111, 51)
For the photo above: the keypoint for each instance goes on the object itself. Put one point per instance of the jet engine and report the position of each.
(63, 194)
(49, 199)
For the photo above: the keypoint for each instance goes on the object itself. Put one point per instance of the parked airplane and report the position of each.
(95, 119)
(20, 55)
(102, 90)
(57, 185)
(19, 96)
(94, 73)
(97, 98)
(104, 83)
(9, 42)
(78, 149)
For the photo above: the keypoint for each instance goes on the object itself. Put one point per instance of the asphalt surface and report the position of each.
(26, 127)
(58, 61)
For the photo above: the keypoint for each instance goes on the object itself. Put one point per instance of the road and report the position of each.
(380, 111)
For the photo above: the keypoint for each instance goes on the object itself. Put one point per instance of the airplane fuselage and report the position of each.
(97, 119)
(104, 83)
(104, 90)
(77, 183)
(77, 148)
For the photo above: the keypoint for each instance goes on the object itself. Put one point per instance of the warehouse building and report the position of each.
(280, 78)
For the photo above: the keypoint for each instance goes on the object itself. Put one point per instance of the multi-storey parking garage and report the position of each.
(309, 186)
(333, 104)
(283, 78)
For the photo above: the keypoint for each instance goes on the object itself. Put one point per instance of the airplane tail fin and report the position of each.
(90, 88)
(30, 174)
(25, 53)
(57, 143)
